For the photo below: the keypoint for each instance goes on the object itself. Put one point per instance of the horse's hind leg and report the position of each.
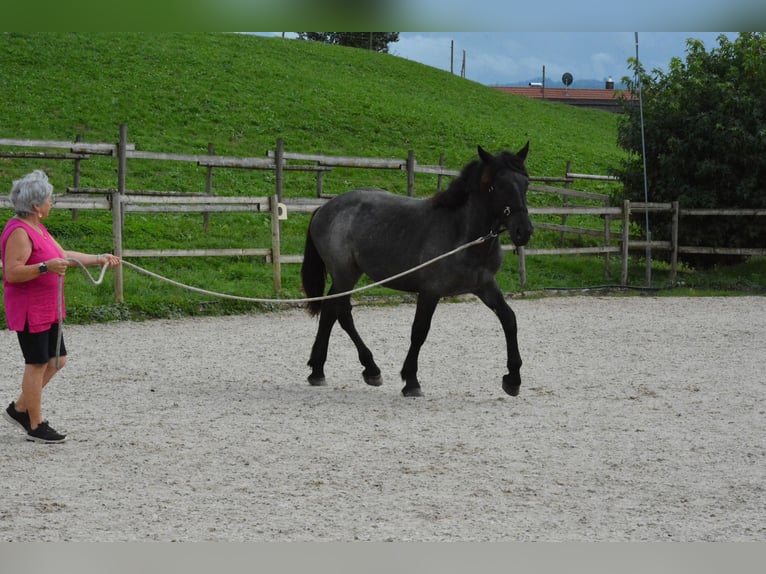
(420, 327)
(327, 318)
(371, 373)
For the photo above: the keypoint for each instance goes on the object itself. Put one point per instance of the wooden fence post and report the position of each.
(320, 182)
(76, 178)
(439, 177)
(607, 240)
(410, 172)
(674, 243)
(117, 215)
(279, 160)
(522, 266)
(208, 188)
(275, 242)
(565, 202)
(625, 240)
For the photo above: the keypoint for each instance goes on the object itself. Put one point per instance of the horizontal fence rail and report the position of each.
(121, 201)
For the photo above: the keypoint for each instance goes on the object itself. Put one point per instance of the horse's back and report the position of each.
(355, 211)
(365, 199)
(368, 230)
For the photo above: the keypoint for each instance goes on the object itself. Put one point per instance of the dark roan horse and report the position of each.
(374, 232)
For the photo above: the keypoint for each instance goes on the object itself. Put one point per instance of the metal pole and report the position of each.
(646, 182)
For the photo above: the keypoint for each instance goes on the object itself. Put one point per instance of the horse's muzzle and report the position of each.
(520, 230)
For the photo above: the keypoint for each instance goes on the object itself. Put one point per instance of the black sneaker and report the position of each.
(17, 418)
(44, 433)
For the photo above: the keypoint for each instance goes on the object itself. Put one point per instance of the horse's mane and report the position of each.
(468, 181)
(459, 188)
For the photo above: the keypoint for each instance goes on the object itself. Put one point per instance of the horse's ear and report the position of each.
(522, 153)
(485, 156)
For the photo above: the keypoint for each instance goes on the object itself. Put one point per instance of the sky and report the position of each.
(516, 58)
(504, 58)
(432, 15)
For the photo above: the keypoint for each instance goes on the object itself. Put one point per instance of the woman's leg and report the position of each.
(32, 384)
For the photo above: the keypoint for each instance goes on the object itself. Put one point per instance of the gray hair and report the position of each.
(31, 190)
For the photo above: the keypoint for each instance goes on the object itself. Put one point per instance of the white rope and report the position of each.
(309, 299)
(87, 273)
(60, 333)
(239, 298)
(60, 301)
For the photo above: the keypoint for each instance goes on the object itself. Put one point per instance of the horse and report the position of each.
(380, 234)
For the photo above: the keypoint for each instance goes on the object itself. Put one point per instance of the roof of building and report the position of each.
(564, 93)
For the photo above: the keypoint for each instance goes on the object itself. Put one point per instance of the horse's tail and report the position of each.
(313, 274)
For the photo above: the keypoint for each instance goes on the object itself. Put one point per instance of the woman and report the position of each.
(33, 264)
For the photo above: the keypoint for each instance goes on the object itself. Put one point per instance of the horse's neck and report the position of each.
(477, 218)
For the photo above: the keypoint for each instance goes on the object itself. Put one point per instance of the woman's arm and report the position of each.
(91, 259)
(18, 249)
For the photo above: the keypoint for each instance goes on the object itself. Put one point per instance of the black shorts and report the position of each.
(40, 348)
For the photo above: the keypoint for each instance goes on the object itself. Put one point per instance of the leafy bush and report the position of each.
(705, 138)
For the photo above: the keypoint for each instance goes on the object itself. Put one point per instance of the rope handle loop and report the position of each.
(87, 273)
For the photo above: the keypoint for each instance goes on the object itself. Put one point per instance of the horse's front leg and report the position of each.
(493, 298)
(420, 327)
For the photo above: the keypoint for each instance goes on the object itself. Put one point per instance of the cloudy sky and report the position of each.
(508, 58)
(497, 58)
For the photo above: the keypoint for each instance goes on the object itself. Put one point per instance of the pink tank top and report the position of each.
(34, 303)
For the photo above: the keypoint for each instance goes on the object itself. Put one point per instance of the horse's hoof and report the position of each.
(317, 381)
(512, 384)
(373, 380)
(408, 391)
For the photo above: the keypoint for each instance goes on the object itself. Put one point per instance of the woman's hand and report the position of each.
(112, 260)
(57, 266)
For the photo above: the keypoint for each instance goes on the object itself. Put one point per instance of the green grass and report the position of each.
(179, 92)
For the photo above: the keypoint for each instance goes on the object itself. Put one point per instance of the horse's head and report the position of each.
(505, 180)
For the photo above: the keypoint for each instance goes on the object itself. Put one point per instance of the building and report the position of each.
(607, 98)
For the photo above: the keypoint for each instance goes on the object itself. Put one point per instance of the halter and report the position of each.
(498, 227)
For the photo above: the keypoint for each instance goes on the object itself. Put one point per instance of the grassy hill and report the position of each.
(180, 92)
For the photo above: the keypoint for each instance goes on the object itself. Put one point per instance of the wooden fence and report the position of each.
(121, 201)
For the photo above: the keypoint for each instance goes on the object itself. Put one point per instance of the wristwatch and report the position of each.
(42, 267)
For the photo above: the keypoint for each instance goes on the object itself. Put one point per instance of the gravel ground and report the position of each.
(639, 419)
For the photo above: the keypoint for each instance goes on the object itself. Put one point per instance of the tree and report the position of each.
(376, 41)
(705, 138)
